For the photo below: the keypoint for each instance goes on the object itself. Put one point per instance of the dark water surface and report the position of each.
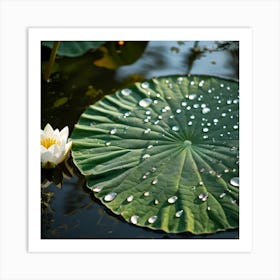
(71, 211)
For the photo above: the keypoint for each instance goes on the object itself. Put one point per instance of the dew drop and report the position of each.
(205, 136)
(192, 83)
(107, 144)
(224, 114)
(184, 104)
(234, 181)
(201, 83)
(172, 199)
(179, 213)
(203, 196)
(192, 117)
(145, 102)
(233, 200)
(160, 117)
(110, 196)
(156, 202)
(235, 127)
(189, 107)
(97, 189)
(145, 156)
(153, 169)
(152, 219)
(126, 92)
(189, 123)
(155, 101)
(145, 175)
(146, 193)
(148, 113)
(150, 147)
(175, 128)
(178, 111)
(147, 130)
(126, 114)
(229, 101)
(192, 96)
(205, 129)
(196, 106)
(113, 131)
(180, 80)
(205, 110)
(226, 170)
(215, 121)
(222, 195)
(154, 181)
(145, 85)
(130, 198)
(134, 219)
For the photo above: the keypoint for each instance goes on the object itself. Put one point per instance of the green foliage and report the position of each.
(164, 153)
(73, 49)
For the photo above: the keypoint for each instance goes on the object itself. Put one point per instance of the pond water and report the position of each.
(72, 211)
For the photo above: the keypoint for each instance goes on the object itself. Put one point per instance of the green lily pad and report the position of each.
(73, 48)
(164, 153)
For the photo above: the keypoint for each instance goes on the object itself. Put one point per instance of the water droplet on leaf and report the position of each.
(126, 92)
(96, 188)
(113, 131)
(152, 219)
(172, 199)
(234, 181)
(179, 213)
(110, 196)
(203, 196)
(145, 102)
(134, 219)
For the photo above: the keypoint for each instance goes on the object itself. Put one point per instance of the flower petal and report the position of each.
(46, 157)
(48, 129)
(64, 134)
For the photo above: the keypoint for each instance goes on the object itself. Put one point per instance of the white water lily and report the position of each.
(54, 146)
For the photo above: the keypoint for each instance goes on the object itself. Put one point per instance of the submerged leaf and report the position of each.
(163, 153)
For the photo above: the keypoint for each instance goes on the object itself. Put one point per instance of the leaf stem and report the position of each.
(51, 61)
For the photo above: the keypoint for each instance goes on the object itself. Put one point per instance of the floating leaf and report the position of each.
(163, 153)
(73, 49)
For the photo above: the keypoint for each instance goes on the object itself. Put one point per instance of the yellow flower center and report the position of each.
(47, 142)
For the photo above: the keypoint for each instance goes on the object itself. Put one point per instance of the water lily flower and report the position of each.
(55, 146)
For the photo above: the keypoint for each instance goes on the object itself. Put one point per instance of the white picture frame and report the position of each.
(18, 259)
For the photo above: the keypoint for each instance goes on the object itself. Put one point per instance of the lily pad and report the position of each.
(164, 153)
(73, 48)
